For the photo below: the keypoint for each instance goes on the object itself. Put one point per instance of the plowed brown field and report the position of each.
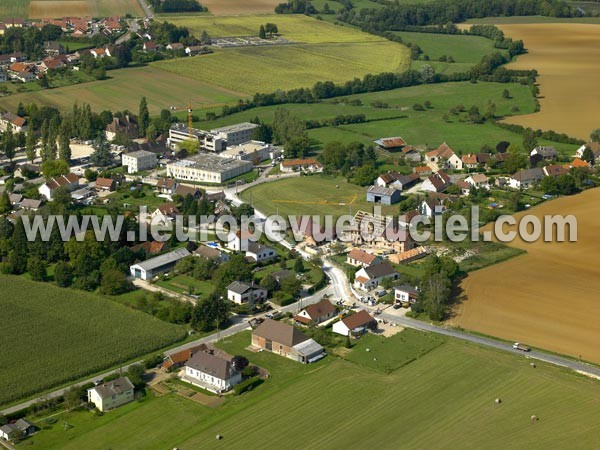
(567, 57)
(549, 297)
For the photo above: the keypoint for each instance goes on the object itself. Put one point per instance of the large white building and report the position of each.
(112, 394)
(207, 168)
(139, 160)
(212, 142)
(253, 151)
(146, 270)
(236, 134)
(211, 372)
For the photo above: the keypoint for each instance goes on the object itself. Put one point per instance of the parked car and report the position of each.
(397, 306)
(521, 347)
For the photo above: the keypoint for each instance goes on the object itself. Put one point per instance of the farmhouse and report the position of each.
(370, 277)
(444, 156)
(138, 161)
(359, 258)
(286, 340)
(524, 179)
(258, 253)
(212, 372)
(437, 182)
(70, 181)
(470, 161)
(397, 180)
(19, 429)
(405, 294)
(148, 269)
(385, 196)
(241, 293)
(179, 132)
(354, 325)
(208, 168)
(12, 122)
(307, 165)
(391, 143)
(112, 394)
(316, 313)
(544, 152)
(236, 134)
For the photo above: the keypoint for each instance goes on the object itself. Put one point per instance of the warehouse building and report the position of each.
(207, 168)
(148, 269)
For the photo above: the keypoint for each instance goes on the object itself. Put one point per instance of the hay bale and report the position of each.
(532, 365)
(534, 418)
(219, 437)
(498, 401)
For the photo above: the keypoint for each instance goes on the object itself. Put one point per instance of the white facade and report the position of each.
(340, 328)
(207, 168)
(107, 396)
(210, 382)
(207, 140)
(236, 134)
(252, 295)
(140, 160)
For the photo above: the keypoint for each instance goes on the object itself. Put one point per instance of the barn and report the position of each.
(383, 195)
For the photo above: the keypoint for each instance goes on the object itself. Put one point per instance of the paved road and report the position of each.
(240, 324)
(146, 9)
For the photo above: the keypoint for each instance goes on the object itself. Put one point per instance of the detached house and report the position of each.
(354, 325)
(444, 156)
(593, 146)
(437, 182)
(479, 180)
(12, 122)
(70, 181)
(258, 253)
(397, 180)
(105, 184)
(112, 394)
(166, 186)
(286, 340)
(316, 313)
(358, 257)
(17, 430)
(405, 294)
(432, 207)
(126, 125)
(241, 293)
(524, 179)
(215, 373)
(555, 170)
(370, 277)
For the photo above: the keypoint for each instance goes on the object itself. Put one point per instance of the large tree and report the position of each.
(143, 117)
(30, 145)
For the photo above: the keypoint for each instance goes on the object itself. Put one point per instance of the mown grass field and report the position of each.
(315, 195)
(38, 9)
(124, 90)
(444, 399)
(293, 27)
(265, 69)
(51, 335)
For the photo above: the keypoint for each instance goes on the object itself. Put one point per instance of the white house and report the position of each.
(259, 252)
(370, 277)
(357, 257)
(524, 179)
(240, 293)
(239, 240)
(16, 430)
(405, 294)
(436, 182)
(431, 207)
(211, 372)
(139, 160)
(316, 313)
(12, 122)
(354, 325)
(593, 146)
(112, 394)
(70, 181)
(479, 180)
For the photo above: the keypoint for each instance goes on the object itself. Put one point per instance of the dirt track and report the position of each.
(567, 57)
(549, 297)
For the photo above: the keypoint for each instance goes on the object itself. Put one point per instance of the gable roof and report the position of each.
(357, 320)
(239, 287)
(528, 175)
(114, 387)
(162, 260)
(300, 162)
(207, 252)
(391, 142)
(323, 308)
(362, 256)
(210, 364)
(280, 332)
(379, 270)
(104, 182)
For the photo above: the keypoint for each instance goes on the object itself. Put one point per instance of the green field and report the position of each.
(444, 399)
(14, 8)
(182, 284)
(124, 90)
(266, 69)
(52, 335)
(315, 195)
(466, 50)
(293, 27)
(417, 127)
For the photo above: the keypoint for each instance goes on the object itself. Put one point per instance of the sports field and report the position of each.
(124, 90)
(315, 195)
(548, 297)
(52, 335)
(39, 9)
(443, 399)
(567, 57)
